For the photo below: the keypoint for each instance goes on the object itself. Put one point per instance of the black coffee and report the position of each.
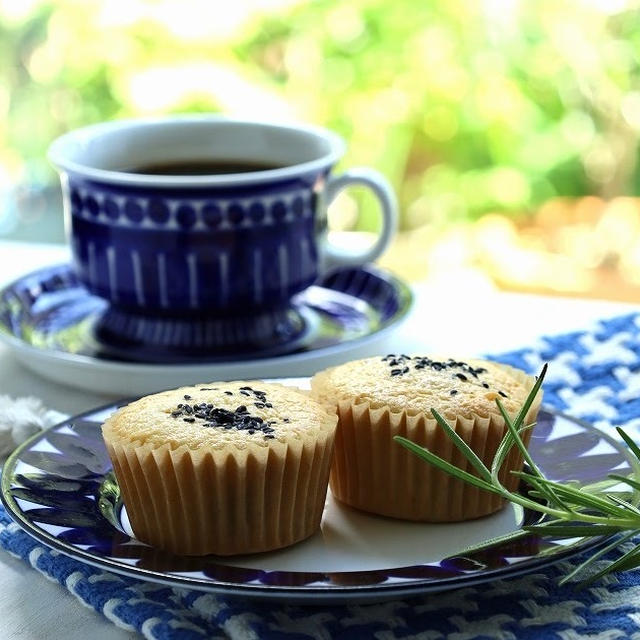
(202, 167)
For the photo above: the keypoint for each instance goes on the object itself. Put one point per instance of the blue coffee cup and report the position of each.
(232, 243)
(156, 240)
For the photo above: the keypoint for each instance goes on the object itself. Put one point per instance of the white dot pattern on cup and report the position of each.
(191, 214)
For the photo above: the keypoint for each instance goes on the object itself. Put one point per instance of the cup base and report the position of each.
(147, 338)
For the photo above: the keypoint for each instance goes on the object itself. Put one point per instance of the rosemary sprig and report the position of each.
(569, 510)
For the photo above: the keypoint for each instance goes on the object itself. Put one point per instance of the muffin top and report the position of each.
(416, 384)
(219, 415)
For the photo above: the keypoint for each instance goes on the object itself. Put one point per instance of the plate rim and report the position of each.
(325, 594)
(405, 293)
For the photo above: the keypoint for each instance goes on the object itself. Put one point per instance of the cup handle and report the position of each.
(335, 256)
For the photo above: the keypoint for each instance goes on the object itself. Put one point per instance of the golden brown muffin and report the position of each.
(222, 468)
(379, 398)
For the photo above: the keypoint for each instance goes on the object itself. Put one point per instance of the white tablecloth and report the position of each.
(444, 320)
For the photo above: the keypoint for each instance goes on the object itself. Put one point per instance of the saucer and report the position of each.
(176, 339)
(49, 320)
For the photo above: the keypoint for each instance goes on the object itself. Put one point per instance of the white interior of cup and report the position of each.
(107, 151)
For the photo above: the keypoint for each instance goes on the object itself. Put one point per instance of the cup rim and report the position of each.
(58, 153)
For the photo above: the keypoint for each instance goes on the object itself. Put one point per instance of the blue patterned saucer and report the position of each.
(59, 487)
(59, 330)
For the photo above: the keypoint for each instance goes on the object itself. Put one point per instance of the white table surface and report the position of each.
(444, 320)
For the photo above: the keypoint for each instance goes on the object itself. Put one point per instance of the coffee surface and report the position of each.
(202, 167)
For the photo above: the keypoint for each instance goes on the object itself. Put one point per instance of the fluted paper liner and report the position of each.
(193, 502)
(374, 473)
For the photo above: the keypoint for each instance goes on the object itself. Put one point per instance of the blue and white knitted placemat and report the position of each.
(594, 375)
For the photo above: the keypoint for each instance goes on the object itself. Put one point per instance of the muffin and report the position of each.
(222, 468)
(378, 398)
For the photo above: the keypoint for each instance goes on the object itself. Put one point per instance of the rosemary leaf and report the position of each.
(629, 560)
(507, 537)
(596, 556)
(543, 490)
(600, 487)
(577, 498)
(463, 447)
(502, 452)
(630, 481)
(630, 443)
(515, 437)
(515, 427)
(572, 530)
(569, 510)
(445, 466)
(530, 398)
(624, 504)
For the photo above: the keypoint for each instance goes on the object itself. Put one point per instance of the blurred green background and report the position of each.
(467, 107)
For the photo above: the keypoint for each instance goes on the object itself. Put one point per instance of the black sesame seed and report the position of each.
(187, 397)
(461, 376)
(503, 394)
(286, 420)
(228, 393)
(246, 389)
(245, 393)
(260, 405)
(268, 436)
(395, 372)
(485, 385)
(211, 416)
(453, 392)
(268, 405)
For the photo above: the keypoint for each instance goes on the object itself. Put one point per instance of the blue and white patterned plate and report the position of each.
(51, 323)
(59, 487)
